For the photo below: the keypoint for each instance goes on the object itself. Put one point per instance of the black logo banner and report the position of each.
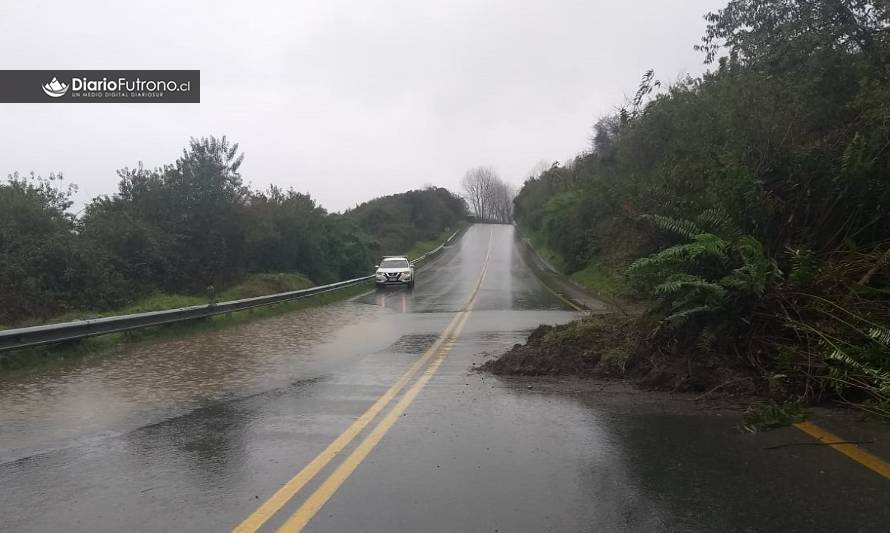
(53, 86)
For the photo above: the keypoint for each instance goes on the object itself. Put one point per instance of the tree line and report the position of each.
(397, 221)
(750, 206)
(187, 226)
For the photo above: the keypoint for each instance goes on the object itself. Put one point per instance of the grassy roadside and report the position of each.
(424, 247)
(252, 285)
(545, 252)
(603, 278)
(30, 358)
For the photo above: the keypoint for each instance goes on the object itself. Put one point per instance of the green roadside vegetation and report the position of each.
(553, 258)
(259, 284)
(177, 234)
(184, 233)
(253, 285)
(265, 283)
(410, 222)
(601, 276)
(604, 280)
(749, 208)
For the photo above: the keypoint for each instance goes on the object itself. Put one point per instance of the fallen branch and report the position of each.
(789, 444)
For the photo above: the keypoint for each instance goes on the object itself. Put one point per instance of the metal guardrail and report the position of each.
(12, 339)
(436, 250)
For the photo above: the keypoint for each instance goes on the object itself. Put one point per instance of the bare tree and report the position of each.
(490, 197)
(476, 183)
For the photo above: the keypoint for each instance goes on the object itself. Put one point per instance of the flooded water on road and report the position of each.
(98, 396)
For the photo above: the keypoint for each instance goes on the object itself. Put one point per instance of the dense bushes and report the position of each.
(399, 220)
(185, 227)
(40, 260)
(755, 199)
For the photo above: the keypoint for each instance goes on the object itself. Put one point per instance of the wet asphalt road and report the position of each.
(195, 434)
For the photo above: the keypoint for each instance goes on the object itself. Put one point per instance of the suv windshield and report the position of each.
(394, 263)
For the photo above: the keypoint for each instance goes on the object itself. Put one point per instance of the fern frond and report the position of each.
(681, 317)
(880, 335)
(684, 228)
(716, 220)
(751, 252)
(756, 271)
(703, 245)
(882, 378)
(677, 284)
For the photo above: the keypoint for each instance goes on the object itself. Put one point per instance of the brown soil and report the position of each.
(593, 346)
(615, 346)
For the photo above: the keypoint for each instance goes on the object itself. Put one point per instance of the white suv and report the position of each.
(395, 270)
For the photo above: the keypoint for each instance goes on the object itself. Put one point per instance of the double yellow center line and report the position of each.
(429, 362)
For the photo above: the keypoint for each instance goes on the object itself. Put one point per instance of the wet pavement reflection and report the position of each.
(104, 395)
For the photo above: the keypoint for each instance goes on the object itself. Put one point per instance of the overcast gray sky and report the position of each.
(342, 100)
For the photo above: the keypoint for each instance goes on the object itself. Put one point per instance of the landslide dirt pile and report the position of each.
(617, 346)
(593, 346)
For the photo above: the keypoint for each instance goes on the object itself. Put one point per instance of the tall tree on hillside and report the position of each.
(192, 210)
(778, 31)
